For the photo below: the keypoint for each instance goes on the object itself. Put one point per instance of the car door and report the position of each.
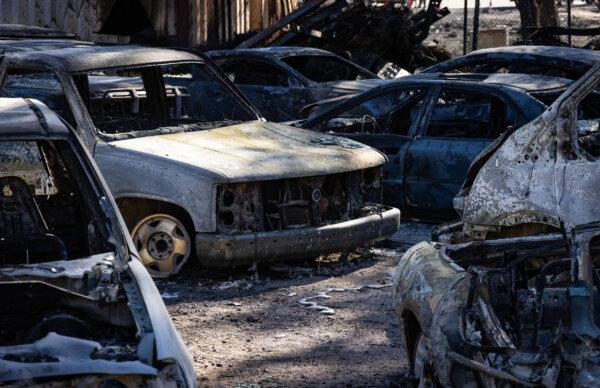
(460, 123)
(385, 121)
(278, 95)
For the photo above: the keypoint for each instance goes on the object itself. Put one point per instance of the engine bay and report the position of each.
(523, 311)
(82, 317)
(79, 298)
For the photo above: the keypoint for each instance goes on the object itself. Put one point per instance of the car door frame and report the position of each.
(399, 158)
(420, 135)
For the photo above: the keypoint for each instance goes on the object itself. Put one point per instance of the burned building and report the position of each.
(189, 23)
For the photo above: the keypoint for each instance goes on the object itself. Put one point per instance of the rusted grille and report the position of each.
(296, 203)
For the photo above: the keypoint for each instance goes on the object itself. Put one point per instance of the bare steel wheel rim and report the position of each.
(163, 243)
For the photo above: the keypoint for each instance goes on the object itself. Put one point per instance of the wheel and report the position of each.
(420, 359)
(163, 243)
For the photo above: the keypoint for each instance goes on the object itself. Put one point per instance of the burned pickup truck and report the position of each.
(193, 165)
(511, 297)
(77, 306)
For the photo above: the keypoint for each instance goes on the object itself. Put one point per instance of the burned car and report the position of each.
(432, 126)
(78, 307)
(511, 297)
(280, 81)
(564, 62)
(194, 167)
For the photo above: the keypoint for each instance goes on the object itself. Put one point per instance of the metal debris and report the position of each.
(372, 33)
(309, 301)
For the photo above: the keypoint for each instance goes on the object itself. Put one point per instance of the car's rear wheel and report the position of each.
(163, 243)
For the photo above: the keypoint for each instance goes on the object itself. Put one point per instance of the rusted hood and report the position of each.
(255, 151)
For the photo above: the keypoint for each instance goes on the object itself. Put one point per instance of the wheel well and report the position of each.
(133, 209)
(412, 329)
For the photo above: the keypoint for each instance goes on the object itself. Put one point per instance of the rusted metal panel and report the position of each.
(540, 174)
(202, 22)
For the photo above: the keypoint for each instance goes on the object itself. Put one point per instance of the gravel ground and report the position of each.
(248, 329)
(448, 32)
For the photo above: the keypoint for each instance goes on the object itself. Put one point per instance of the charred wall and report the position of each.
(186, 23)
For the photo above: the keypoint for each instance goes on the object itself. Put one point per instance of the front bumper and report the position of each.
(224, 250)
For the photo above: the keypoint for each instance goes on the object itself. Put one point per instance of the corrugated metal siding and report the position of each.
(189, 23)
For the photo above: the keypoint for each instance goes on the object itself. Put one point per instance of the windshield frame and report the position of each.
(212, 70)
(358, 68)
(85, 125)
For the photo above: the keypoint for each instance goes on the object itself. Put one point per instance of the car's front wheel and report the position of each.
(163, 243)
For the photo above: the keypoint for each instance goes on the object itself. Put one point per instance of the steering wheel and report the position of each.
(373, 119)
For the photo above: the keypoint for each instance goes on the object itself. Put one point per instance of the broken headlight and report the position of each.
(238, 208)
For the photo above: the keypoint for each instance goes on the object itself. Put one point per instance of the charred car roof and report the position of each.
(80, 59)
(18, 45)
(583, 55)
(565, 57)
(520, 81)
(25, 117)
(510, 83)
(19, 31)
(270, 52)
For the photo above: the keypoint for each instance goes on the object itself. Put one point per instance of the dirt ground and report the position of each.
(248, 329)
